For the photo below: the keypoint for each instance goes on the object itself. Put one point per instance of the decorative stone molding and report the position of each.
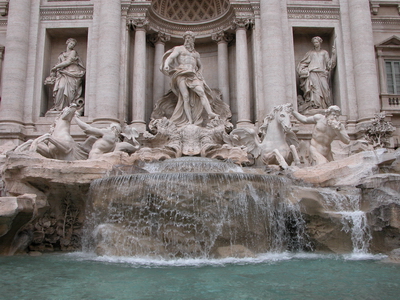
(50, 13)
(3, 8)
(217, 17)
(306, 12)
(239, 23)
(386, 21)
(222, 36)
(159, 37)
(190, 10)
(246, 9)
(375, 5)
(138, 24)
(201, 28)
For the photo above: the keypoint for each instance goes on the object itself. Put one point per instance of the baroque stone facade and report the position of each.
(94, 88)
(250, 51)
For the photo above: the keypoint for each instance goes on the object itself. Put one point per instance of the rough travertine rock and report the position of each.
(15, 212)
(238, 251)
(345, 172)
(58, 192)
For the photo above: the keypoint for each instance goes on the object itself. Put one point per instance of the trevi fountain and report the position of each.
(197, 201)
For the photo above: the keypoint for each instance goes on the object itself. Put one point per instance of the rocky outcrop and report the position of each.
(381, 201)
(52, 216)
(350, 171)
(15, 212)
(46, 205)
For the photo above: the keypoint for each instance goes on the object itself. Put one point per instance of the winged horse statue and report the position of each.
(275, 143)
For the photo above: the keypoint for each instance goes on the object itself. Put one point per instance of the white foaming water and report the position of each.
(192, 164)
(264, 258)
(353, 219)
(190, 208)
(360, 234)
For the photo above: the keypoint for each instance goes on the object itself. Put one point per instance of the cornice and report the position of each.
(312, 12)
(385, 21)
(55, 13)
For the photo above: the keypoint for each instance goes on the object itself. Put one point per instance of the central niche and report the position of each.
(189, 11)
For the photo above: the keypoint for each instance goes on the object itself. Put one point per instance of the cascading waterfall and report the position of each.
(353, 219)
(191, 207)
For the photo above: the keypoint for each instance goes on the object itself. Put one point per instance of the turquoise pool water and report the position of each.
(269, 276)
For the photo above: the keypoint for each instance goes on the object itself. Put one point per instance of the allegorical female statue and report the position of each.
(314, 71)
(67, 76)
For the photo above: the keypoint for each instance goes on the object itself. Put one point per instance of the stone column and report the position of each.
(366, 79)
(109, 62)
(1, 66)
(222, 39)
(242, 73)
(274, 83)
(159, 40)
(139, 75)
(382, 72)
(15, 63)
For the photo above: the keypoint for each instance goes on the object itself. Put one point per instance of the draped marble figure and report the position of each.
(314, 71)
(67, 76)
(183, 65)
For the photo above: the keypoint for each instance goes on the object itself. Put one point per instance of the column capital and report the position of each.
(222, 37)
(242, 23)
(138, 24)
(159, 37)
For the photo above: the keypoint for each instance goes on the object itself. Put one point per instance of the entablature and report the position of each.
(318, 12)
(64, 12)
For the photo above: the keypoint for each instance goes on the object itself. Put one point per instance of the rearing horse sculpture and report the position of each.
(276, 143)
(58, 143)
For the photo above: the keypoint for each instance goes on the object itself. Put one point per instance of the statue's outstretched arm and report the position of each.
(89, 130)
(303, 119)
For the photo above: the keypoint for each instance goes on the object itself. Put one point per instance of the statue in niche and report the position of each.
(314, 72)
(67, 76)
(110, 139)
(58, 142)
(327, 128)
(190, 95)
(191, 119)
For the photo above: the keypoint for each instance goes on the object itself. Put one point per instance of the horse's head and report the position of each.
(68, 112)
(282, 115)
